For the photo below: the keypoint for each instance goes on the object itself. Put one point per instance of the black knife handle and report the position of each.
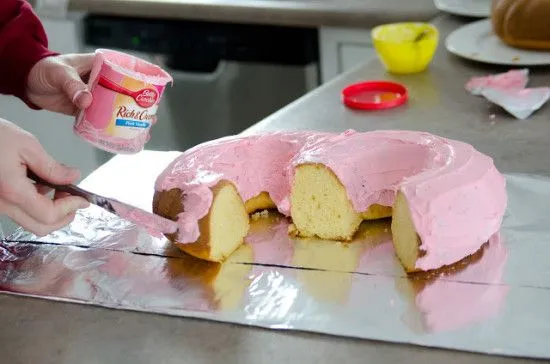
(72, 189)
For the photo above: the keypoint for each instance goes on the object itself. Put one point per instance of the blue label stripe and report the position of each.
(132, 123)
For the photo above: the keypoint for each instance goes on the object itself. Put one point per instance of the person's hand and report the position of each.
(23, 201)
(57, 83)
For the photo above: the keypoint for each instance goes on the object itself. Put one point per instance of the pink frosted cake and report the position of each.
(445, 198)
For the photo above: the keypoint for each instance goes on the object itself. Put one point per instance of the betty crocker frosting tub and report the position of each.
(126, 93)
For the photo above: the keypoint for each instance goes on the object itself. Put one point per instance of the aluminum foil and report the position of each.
(493, 302)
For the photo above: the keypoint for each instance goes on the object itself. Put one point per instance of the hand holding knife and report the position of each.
(155, 224)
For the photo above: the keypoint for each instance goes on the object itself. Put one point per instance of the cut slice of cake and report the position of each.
(222, 230)
(405, 239)
(320, 206)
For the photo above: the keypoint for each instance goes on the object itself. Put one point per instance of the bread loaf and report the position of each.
(522, 23)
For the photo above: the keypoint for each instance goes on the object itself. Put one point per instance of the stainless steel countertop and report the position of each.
(33, 330)
(438, 104)
(309, 13)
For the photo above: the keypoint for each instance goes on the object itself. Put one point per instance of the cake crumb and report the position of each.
(259, 215)
(292, 231)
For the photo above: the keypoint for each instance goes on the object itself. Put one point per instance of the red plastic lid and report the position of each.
(374, 95)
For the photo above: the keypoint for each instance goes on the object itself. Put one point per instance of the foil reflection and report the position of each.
(216, 286)
(268, 238)
(272, 245)
(97, 228)
(466, 293)
(121, 265)
(320, 263)
(325, 260)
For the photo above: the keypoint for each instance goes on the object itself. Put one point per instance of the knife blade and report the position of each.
(155, 224)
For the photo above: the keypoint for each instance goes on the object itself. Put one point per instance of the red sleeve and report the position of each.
(23, 42)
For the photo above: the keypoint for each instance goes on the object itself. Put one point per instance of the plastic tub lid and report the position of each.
(374, 95)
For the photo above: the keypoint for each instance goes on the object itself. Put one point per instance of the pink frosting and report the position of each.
(154, 224)
(456, 195)
(511, 80)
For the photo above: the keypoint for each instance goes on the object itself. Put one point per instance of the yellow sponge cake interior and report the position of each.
(320, 206)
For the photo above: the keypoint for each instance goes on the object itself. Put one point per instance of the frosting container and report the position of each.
(126, 93)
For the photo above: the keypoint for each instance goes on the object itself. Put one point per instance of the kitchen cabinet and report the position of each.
(342, 49)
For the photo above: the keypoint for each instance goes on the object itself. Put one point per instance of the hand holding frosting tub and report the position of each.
(113, 97)
(55, 83)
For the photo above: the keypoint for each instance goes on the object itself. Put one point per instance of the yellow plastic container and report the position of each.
(405, 47)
